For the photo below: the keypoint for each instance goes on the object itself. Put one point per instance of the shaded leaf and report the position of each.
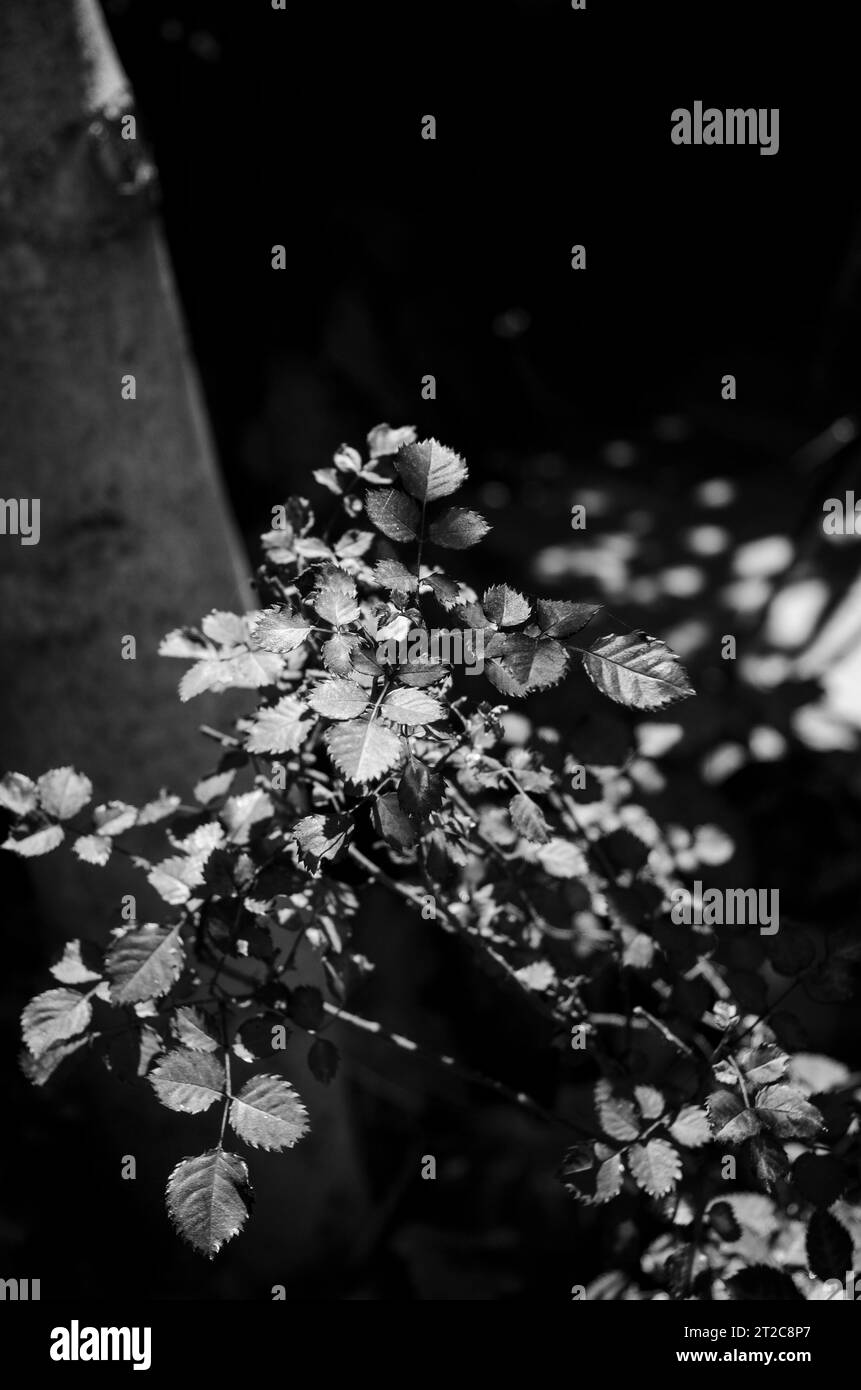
(428, 470)
(768, 1160)
(323, 1060)
(458, 528)
(321, 838)
(524, 664)
(819, 1178)
(393, 513)
(829, 1246)
(506, 607)
(392, 822)
(723, 1220)
(39, 842)
(762, 1283)
(420, 790)
(731, 1120)
(787, 1112)
(560, 618)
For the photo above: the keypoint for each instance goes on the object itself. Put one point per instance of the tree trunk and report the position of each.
(134, 535)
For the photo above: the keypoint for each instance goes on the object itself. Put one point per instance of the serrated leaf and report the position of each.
(562, 859)
(209, 1198)
(524, 663)
(175, 878)
(92, 849)
(504, 606)
(392, 821)
(731, 1120)
(637, 671)
(763, 1064)
(338, 699)
(445, 590)
(363, 749)
(458, 528)
(53, 1017)
(561, 618)
(279, 728)
(188, 1081)
(281, 631)
(829, 1246)
(39, 842)
(321, 838)
(420, 790)
(268, 1114)
(144, 963)
(335, 598)
(608, 1179)
(70, 968)
(787, 1112)
(393, 513)
(248, 670)
(337, 652)
(428, 470)
(190, 1028)
(392, 575)
(618, 1117)
(39, 1070)
(18, 793)
(691, 1127)
(323, 1060)
(655, 1167)
(528, 820)
(63, 792)
(650, 1101)
(411, 706)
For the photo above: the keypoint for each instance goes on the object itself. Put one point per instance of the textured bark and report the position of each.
(135, 534)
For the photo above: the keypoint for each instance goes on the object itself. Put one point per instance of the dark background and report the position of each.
(408, 257)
